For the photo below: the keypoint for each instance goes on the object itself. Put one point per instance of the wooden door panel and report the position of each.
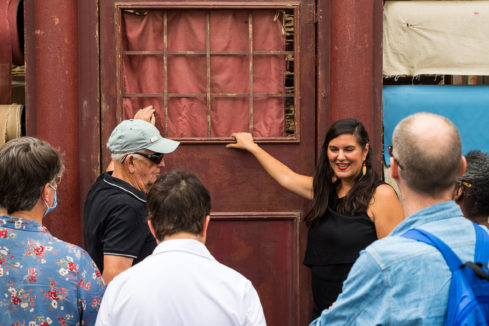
(264, 247)
(236, 180)
(255, 226)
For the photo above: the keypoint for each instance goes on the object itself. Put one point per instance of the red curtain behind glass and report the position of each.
(187, 74)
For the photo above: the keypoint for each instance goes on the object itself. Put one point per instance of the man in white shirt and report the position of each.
(180, 283)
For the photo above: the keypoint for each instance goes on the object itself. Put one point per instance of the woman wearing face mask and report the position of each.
(351, 207)
(44, 279)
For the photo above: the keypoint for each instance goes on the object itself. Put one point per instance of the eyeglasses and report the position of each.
(155, 158)
(56, 179)
(389, 149)
(463, 183)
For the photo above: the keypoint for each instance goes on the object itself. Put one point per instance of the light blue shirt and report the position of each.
(399, 281)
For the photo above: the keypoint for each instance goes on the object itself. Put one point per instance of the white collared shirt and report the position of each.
(180, 284)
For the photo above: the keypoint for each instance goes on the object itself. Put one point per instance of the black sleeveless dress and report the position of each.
(333, 245)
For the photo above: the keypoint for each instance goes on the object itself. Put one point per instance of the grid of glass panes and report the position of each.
(171, 91)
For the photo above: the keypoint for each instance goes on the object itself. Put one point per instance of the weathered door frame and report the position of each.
(63, 96)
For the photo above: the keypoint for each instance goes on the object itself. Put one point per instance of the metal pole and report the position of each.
(56, 103)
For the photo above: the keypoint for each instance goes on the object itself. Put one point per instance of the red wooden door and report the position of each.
(255, 226)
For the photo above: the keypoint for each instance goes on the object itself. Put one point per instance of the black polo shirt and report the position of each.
(115, 221)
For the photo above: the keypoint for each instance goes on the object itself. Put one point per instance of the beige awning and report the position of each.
(436, 37)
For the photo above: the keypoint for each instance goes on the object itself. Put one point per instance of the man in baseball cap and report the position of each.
(116, 234)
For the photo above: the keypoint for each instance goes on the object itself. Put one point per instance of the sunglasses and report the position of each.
(155, 158)
(389, 149)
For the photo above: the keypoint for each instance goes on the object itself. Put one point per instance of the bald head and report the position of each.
(429, 148)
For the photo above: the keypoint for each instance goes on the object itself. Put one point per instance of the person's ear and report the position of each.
(457, 194)
(463, 167)
(365, 151)
(45, 193)
(394, 170)
(203, 234)
(152, 230)
(129, 163)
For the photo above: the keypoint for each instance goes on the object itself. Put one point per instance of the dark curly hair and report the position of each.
(476, 197)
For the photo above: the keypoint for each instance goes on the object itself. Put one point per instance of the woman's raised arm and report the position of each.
(297, 183)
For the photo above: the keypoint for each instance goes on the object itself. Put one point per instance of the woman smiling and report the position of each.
(351, 207)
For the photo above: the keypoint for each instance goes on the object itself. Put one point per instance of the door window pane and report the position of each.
(209, 73)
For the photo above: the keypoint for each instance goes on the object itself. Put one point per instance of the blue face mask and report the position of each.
(55, 202)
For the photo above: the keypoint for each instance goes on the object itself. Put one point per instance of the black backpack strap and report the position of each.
(479, 269)
(481, 256)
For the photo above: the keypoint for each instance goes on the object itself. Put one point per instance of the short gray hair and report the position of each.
(118, 156)
(429, 149)
(26, 165)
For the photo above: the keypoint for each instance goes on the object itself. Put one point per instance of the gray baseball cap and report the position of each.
(135, 134)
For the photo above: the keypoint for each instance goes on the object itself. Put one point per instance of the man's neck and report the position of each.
(121, 172)
(413, 202)
(182, 235)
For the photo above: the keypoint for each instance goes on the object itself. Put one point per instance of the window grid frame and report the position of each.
(120, 95)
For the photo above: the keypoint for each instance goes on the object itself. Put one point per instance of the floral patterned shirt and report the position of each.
(43, 280)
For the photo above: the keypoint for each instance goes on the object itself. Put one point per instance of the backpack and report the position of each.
(468, 299)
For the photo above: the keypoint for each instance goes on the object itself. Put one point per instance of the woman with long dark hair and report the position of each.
(351, 207)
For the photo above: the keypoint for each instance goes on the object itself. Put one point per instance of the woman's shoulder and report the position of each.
(385, 209)
(384, 190)
(383, 198)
